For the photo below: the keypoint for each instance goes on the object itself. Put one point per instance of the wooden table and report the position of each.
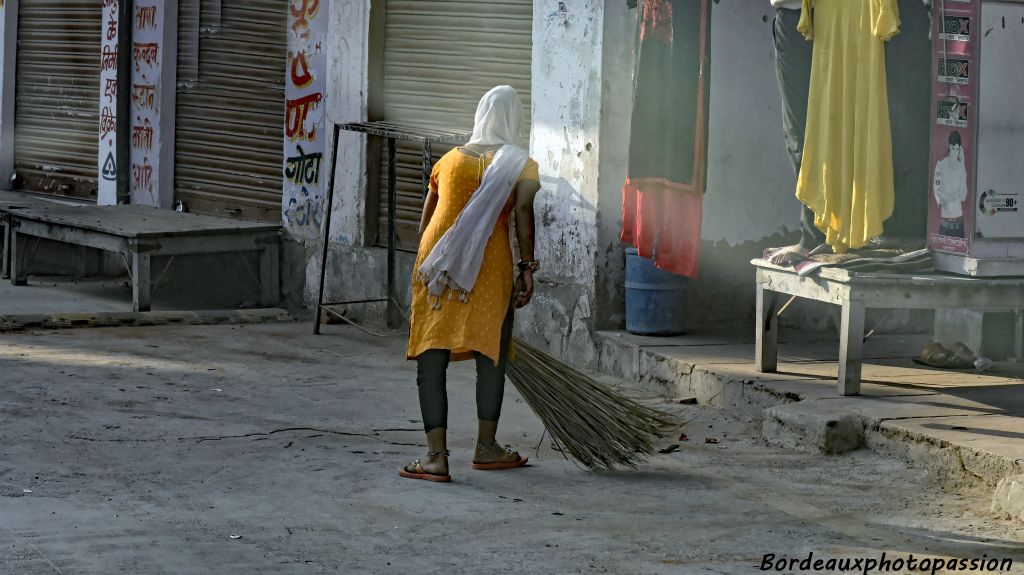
(855, 293)
(140, 233)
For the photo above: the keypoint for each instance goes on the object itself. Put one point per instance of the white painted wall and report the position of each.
(616, 110)
(306, 132)
(152, 169)
(347, 64)
(751, 185)
(345, 100)
(109, 104)
(567, 103)
(566, 78)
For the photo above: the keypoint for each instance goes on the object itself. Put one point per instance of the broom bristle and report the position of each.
(598, 427)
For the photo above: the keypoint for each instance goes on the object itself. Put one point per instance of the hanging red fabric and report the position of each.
(662, 199)
(664, 224)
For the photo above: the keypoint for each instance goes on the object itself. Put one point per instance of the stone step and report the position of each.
(965, 428)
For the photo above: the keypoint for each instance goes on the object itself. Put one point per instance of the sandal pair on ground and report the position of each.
(958, 356)
(415, 470)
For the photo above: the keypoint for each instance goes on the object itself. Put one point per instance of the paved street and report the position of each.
(267, 450)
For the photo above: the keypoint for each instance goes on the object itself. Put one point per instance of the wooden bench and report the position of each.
(855, 293)
(140, 233)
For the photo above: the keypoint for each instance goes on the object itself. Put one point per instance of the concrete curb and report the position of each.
(22, 322)
(804, 414)
(804, 424)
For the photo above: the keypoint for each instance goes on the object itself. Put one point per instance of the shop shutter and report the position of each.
(230, 118)
(439, 58)
(56, 123)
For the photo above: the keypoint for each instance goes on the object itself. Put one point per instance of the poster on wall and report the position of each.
(954, 126)
(305, 133)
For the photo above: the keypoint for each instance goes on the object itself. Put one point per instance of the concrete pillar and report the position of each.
(346, 101)
(565, 139)
(963, 325)
(305, 131)
(8, 63)
(114, 100)
(154, 73)
(616, 110)
(346, 44)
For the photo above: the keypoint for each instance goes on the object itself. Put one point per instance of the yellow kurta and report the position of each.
(846, 174)
(473, 325)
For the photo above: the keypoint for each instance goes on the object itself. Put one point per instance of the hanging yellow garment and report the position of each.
(846, 174)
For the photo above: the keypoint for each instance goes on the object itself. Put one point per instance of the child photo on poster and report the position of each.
(950, 188)
(950, 223)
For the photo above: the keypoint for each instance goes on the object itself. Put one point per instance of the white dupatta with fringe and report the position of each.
(455, 261)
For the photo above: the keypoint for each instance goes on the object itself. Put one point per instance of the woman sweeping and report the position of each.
(462, 292)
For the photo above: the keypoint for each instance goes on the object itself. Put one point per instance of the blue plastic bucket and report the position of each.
(655, 299)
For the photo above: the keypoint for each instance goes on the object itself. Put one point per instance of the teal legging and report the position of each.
(431, 380)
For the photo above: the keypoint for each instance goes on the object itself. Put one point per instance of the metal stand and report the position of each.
(392, 132)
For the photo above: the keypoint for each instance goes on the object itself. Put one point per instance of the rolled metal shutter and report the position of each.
(229, 147)
(56, 123)
(440, 57)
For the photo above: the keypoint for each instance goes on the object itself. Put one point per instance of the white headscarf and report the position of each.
(455, 261)
(499, 118)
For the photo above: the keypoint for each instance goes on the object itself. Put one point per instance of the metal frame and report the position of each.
(391, 132)
(855, 293)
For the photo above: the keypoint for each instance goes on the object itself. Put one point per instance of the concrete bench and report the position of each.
(856, 292)
(138, 234)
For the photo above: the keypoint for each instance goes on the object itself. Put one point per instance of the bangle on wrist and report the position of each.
(531, 265)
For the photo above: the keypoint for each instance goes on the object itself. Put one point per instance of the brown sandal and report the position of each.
(933, 355)
(415, 470)
(496, 465)
(962, 356)
(956, 357)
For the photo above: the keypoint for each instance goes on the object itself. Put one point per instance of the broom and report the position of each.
(598, 427)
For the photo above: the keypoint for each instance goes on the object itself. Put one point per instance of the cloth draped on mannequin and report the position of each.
(846, 174)
(662, 198)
